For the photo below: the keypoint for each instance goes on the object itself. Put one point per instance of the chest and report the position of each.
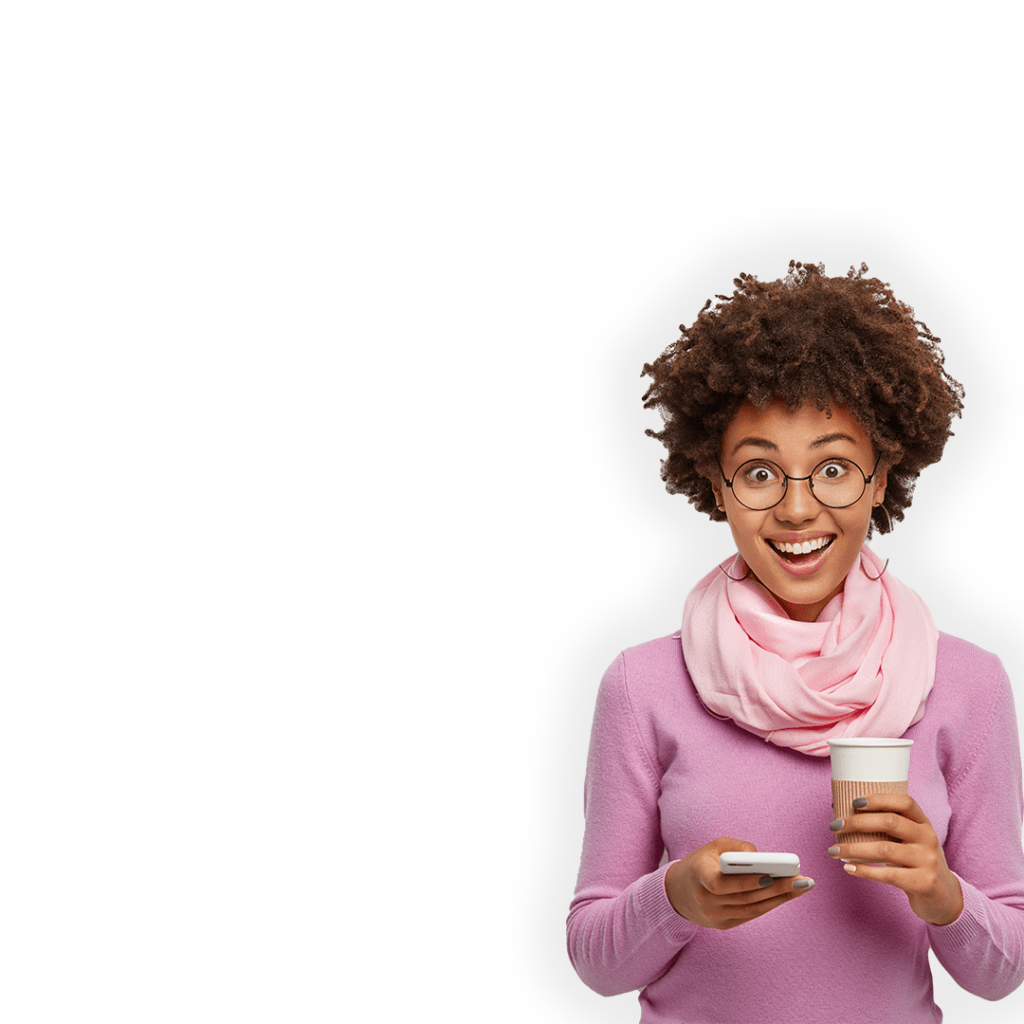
(718, 780)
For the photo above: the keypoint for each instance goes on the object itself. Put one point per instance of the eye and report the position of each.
(761, 474)
(833, 471)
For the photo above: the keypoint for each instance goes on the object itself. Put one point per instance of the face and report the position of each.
(798, 442)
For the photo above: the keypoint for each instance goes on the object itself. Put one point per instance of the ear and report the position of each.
(880, 480)
(713, 475)
(718, 489)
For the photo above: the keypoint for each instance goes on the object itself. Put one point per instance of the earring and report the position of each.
(735, 579)
(888, 521)
(888, 518)
(866, 573)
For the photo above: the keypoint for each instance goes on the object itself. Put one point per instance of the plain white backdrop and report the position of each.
(327, 495)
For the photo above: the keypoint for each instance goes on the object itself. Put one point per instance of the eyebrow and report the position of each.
(820, 442)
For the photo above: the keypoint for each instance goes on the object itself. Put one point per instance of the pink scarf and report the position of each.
(865, 668)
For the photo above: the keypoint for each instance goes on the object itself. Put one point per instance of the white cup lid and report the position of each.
(870, 759)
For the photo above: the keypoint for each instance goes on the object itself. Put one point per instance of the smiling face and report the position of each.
(798, 442)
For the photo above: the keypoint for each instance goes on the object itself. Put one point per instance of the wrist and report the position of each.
(671, 878)
(947, 911)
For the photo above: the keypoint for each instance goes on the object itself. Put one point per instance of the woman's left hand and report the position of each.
(917, 865)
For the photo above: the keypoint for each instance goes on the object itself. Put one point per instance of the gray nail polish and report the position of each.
(804, 883)
(837, 825)
(765, 880)
(860, 803)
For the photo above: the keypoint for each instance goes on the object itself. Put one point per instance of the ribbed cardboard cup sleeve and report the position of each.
(843, 795)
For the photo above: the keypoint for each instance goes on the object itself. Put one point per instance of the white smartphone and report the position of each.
(778, 865)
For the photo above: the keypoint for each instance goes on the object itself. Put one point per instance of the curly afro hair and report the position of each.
(804, 338)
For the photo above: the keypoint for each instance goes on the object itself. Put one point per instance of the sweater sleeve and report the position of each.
(983, 950)
(622, 930)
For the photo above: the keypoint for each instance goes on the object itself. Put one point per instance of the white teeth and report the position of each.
(802, 549)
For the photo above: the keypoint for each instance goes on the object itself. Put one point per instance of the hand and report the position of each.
(916, 865)
(699, 891)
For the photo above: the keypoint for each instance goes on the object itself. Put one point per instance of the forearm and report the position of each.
(983, 950)
(619, 943)
(622, 931)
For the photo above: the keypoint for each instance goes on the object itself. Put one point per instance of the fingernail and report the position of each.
(837, 825)
(852, 868)
(833, 851)
(860, 803)
(804, 883)
(765, 880)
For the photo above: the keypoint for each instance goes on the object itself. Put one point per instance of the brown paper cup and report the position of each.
(843, 795)
(862, 766)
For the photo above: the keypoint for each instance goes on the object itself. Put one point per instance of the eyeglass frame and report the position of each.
(786, 478)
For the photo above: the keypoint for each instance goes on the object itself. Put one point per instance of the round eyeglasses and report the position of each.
(760, 484)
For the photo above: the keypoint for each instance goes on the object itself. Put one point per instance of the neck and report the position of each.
(807, 612)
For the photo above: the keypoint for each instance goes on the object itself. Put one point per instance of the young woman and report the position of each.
(801, 411)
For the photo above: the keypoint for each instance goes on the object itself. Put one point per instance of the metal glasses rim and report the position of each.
(786, 478)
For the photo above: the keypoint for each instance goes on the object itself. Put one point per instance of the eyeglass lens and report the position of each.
(759, 484)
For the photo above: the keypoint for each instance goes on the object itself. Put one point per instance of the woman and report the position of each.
(801, 411)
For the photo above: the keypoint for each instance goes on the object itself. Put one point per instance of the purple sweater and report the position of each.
(664, 775)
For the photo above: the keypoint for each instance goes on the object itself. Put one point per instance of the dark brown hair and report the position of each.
(804, 338)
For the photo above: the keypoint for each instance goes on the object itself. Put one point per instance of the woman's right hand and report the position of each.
(699, 891)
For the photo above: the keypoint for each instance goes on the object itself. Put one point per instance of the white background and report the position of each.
(326, 490)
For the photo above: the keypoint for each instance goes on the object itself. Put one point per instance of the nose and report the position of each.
(798, 504)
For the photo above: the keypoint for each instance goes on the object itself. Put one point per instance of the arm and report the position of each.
(632, 916)
(970, 891)
(622, 930)
(983, 949)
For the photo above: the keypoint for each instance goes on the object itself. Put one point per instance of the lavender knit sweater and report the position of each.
(664, 775)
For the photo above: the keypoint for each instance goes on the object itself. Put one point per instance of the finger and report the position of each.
(889, 875)
(779, 887)
(900, 803)
(725, 885)
(736, 915)
(889, 822)
(725, 843)
(904, 855)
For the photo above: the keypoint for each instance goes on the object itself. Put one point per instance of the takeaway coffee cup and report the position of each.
(863, 766)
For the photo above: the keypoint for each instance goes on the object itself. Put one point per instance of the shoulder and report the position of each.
(644, 678)
(652, 666)
(972, 692)
(967, 669)
(663, 652)
(970, 710)
(647, 702)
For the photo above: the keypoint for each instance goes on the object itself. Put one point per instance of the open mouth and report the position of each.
(800, 553)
